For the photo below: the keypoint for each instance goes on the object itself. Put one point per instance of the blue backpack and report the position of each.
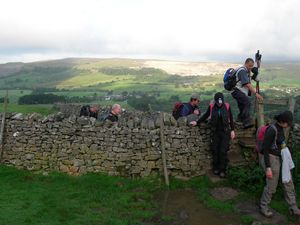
(230, 78)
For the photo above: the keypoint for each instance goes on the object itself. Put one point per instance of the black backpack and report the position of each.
(85, 110)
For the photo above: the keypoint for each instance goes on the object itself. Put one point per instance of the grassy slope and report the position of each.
(28, 198)
(60, 199)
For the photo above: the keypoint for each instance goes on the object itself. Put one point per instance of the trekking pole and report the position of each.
(258, 110)
(258, 61)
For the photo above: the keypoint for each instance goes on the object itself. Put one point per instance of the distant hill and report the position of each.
(10, 68)
(135, 74)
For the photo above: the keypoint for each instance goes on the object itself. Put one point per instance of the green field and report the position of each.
(96, 78)
(94, 198)
(27, 109)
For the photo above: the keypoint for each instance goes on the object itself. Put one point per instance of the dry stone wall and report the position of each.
(131, 148)
(77, 145)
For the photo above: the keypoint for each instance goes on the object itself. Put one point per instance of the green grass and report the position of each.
(27, 109)
(27, 198)
(14, 95)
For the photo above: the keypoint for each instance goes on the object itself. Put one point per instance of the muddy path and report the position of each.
(183, 208)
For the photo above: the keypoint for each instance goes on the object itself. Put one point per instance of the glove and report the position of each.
(255, 73)
(254, 70)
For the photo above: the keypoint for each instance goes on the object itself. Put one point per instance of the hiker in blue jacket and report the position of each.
(191, 107)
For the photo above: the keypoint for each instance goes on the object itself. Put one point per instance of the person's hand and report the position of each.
(254, 70)
(193, 123)
(269, 173)
(232, 134)
(196, 112)
(259, 97)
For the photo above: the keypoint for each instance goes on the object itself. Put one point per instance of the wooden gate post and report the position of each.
(163, 149)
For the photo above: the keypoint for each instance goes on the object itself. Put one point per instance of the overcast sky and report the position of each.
(198, 30)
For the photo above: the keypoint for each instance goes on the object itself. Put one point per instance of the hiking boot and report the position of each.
(222, 175)
(216, 172)
(266, 212)
(239, 120)
(294, 211)
(248, 125)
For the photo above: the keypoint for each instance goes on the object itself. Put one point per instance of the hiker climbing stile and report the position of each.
(276, 160)
(244, 90)
(221, 120)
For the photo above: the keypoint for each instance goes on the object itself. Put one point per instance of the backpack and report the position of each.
(85, 110)
(103, 117)
(230, 78)
(260, 136)
(211, 105)
(177, 109)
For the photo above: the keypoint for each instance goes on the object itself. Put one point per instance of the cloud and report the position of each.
(175, 29)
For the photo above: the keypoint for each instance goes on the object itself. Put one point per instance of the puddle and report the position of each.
(185, 209)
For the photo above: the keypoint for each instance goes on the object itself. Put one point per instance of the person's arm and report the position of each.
(204, 116)
(245, 81)
(231, 119)
(231, 123)
(267, 145)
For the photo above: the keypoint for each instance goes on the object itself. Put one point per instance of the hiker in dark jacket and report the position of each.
(270, 160)
(114, 113)
(191, 107)
(244, 90)
(221, 120)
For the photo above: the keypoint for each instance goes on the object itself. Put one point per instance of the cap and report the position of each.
(195, 96)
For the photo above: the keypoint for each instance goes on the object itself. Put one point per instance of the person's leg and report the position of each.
(223, 147)
(271, 184)
(234, 94)
(214, 148)
(244, 105)
(290, 197)
(247, 120)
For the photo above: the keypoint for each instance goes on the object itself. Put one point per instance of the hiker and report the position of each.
(114, 113)
(89, 111)
(270, 158)
(187, 109)
(221, 120)
(243, 90)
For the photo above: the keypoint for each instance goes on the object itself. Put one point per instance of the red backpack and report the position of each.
(260, 136)
(211, 105)
(177, 109)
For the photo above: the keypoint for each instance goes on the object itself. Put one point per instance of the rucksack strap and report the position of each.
(276, 132)
(211, 105)
(239, 70)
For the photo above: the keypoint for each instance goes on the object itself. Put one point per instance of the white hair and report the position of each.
(115, 106)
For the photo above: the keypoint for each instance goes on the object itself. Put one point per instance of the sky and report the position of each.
(189, 30)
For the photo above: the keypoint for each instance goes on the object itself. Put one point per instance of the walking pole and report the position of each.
(258, 105)
(258, 61)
